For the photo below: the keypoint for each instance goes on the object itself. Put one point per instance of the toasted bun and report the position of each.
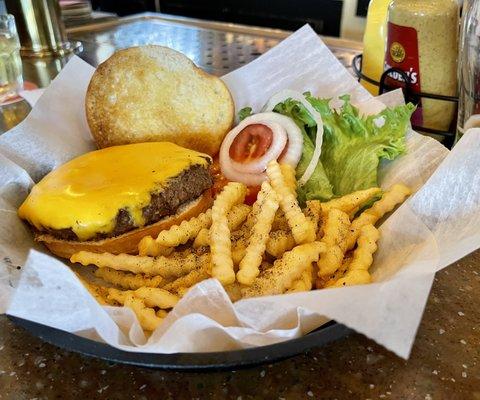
(128, 242)
(153, 93)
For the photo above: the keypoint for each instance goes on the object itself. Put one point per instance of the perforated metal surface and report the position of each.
(216, 47)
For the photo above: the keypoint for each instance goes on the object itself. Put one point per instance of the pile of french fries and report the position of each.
(272, 247)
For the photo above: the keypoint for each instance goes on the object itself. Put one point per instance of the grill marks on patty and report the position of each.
(183, 188)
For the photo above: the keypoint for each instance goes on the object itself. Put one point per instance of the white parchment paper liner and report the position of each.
(435, 227)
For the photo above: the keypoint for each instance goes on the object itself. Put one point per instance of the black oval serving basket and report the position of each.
(214, 361)
(224, 360)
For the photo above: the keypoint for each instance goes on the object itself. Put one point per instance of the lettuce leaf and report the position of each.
(318, 186)
(244, 113)
(352, 145)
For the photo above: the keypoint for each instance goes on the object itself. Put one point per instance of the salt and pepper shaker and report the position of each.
(11, 79)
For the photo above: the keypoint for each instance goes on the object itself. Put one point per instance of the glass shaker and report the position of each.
(11, 81)
(469, 70)
(422, 41)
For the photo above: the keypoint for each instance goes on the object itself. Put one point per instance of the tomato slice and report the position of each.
(251, 143)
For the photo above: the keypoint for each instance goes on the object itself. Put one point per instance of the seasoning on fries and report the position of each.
(265, 261)
(154, 218)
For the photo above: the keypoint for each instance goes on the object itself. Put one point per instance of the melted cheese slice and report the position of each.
(86, 193)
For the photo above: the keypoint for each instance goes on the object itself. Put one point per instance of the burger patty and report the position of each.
(183, 188)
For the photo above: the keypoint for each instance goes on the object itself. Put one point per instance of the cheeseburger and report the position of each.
(108, 200)
(142, 105)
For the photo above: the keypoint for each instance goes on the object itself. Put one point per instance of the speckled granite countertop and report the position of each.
(445, 359)
(445, 363)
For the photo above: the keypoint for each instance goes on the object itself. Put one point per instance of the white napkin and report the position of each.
(435, 227)
(32, 96)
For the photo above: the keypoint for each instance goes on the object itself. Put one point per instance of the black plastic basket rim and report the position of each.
(198, 362)
(357, 65)
(408, 94)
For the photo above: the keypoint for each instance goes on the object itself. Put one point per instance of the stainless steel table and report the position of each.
(216, 47)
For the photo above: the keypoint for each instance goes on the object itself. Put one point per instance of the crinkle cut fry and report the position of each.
(188, 280)
(235, 217)
(357, 272)
(249, 265)
(302, 229)
(156, 297)
(336, 228)
(240, 238)
(304, 283)
(149, 320)
(127, 280)
(239, 247)
(288, 173)
(199, 274)
(396, 195)
(328, 281)
(313, 206)
(313, 211)
(177, 265)
(146, 316)
(149, 247)
(285, 271)
(152, 297)
(175, 235)
(281, 240)
(351, 201)
(187, 230)
(252, 216)
(220, 243)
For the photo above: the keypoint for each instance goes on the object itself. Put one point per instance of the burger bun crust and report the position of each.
(153, 93)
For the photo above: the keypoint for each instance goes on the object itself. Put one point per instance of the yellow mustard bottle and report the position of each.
(422, 41)
(374, 42)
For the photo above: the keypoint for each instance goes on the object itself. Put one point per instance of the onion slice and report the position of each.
(287, 138)
(294, 95)
(294, 147)
(279, 141)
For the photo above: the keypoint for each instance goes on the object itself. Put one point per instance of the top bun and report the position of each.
(153, 93)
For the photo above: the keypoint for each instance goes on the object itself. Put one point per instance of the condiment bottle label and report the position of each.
(402, 53)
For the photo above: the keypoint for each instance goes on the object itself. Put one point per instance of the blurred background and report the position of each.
(371, 38)
(344, 18)
(325, 16)
(338, 18)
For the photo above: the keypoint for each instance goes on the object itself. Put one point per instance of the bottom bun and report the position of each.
(128, 242)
